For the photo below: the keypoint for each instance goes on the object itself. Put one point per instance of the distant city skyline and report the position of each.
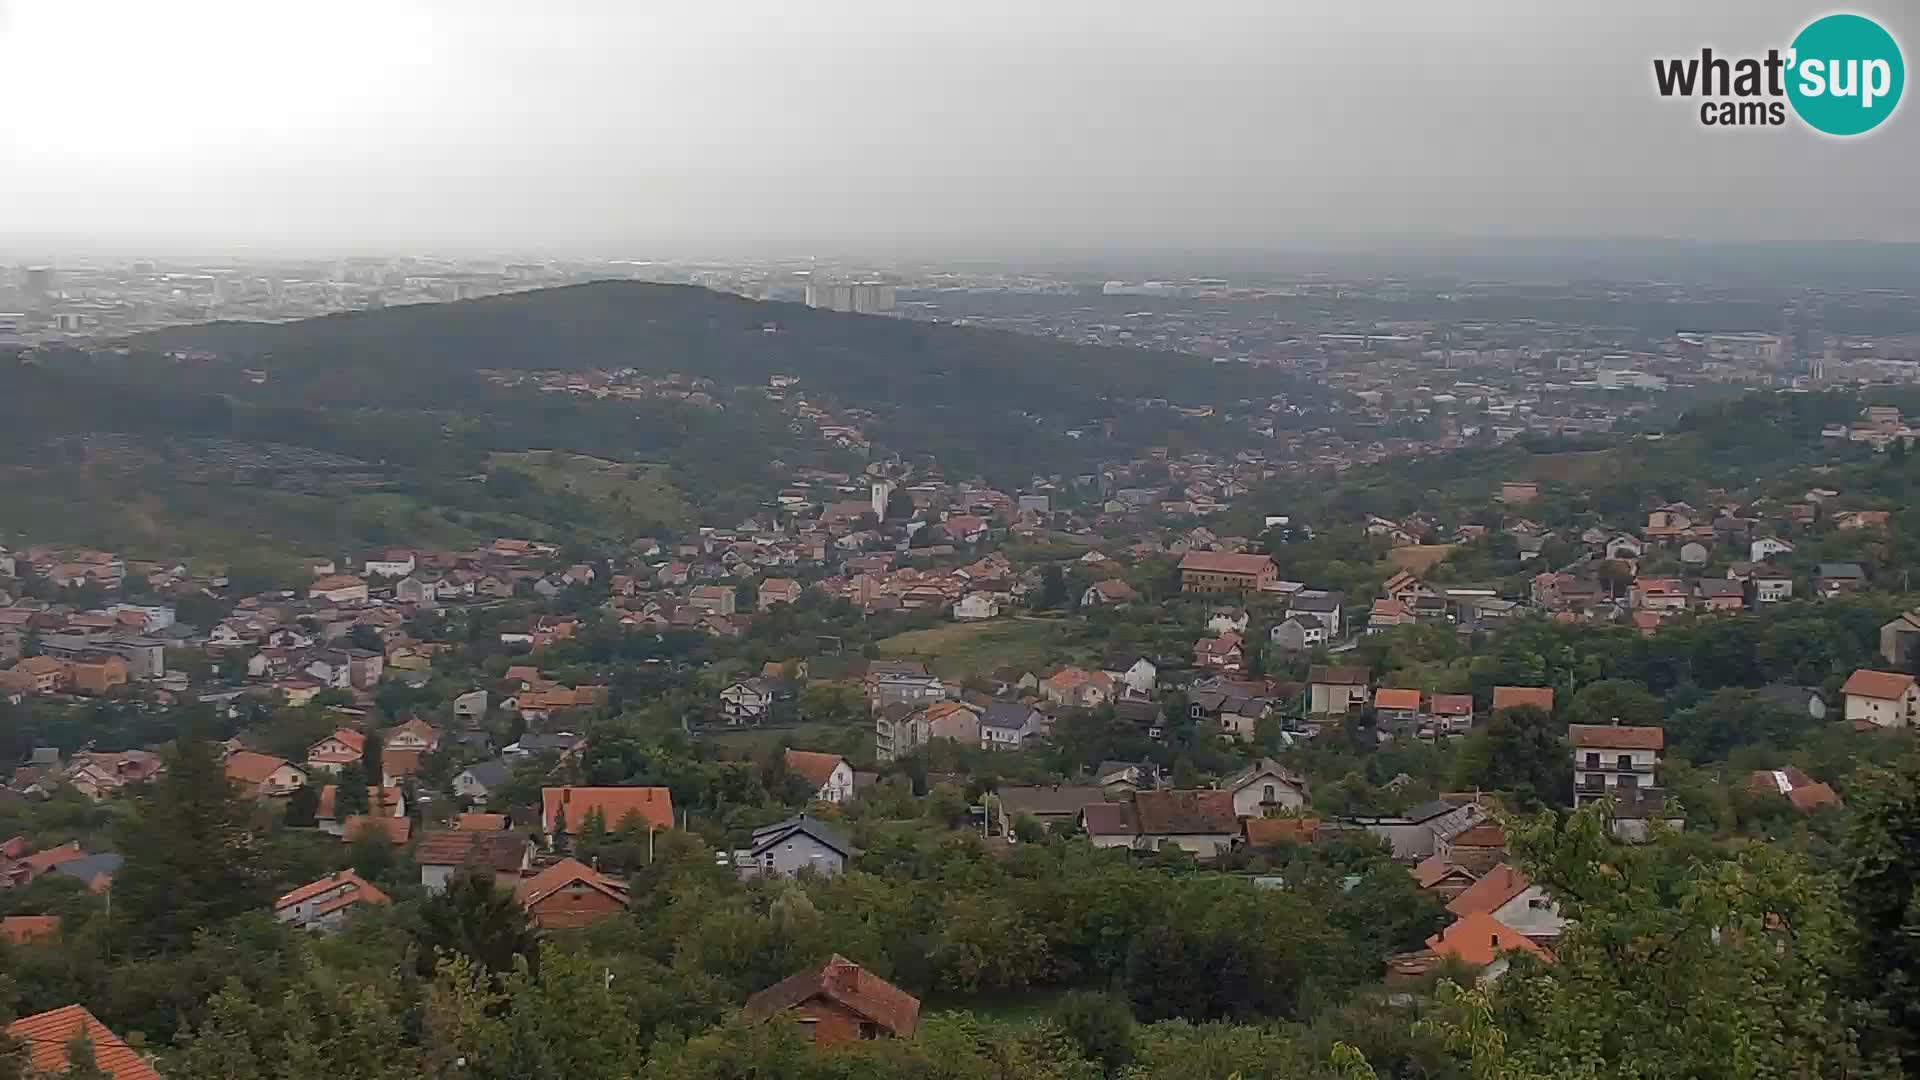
(603, 129)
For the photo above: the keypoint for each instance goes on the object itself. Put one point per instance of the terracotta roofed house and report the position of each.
(829, 775)
(443, 853)
(1881, 698)
(838, 1001)
(569, 895)
(27, 929)
(564, 809)
(1614, 759)
(47, 1035)
(1225, 572)
(263, 774)
(326, 904)
(1514, 697)
(1478, 940)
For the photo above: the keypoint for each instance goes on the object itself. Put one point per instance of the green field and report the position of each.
(638, 494)
(961, 649)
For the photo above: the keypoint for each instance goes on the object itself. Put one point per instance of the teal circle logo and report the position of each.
(1847, 75)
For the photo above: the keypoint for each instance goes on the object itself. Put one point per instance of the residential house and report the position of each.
(1515, 697)
(746, 701)
(1485, 944)
(1137, 679)
(976, 606)
(415, 736)
(471, 707)
(1452, 713)
(1007, 725)
(1719, 594)
(565, 744)
(390, 564)
(1322, 605)
(1298, 633)
(1767, 547)
(712, 599)
(1121, 778)
(1336, 690)
(1223, 652)
(324, 906)
(1624, 548)
(914, 688)
(1609, 759)
(569, 895)
(837, 1001)
(1771, 585)
(263, 774)
(1225, 572)
(1796, 787)
(344, 747)
(1388, 613)
(44, 1039)
(1396, 709)
(1898, 637)
(777, 591)
(788, 847)
(1264, 788)
(564, 809)
(1518, 492)
(954, 720)
(901, 729)
(1834, 578)
(1109, 592)
(444, 854)
(339, 589)
(1659, 594)
(383, 801)
(1506, 894)
(1201, 822)
(828, 775)
(18, 930)
(1050, 804)
(1887, 699)
(477, 781)
(1077, 688)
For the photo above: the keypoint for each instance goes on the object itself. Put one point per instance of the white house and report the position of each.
(1227, 621)
(389, 564)
(1767, 547)
(746, 701)
(1611, 758)
(1882, 698)
(1265, 785)
(1772, 586)
(325, 905)
(829, 774)
(976, 605)
(1139, 678)
(1507, 895)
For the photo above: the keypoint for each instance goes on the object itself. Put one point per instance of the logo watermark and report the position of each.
(1842, 75)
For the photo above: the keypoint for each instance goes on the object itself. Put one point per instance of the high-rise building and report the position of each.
(866, 297)
(38, 284)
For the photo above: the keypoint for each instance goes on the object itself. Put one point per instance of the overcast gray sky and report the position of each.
(630, 126)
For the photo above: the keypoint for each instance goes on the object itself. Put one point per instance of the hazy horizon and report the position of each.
(599, 129)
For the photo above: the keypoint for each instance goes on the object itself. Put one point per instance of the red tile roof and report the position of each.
(1262, 832)
(1396, 699)
(474, 822)
(365, 891)
(249, 767)
(1225, 562)
(654, 805)
(1616, 736)
(48, 1034)
(1884, 685)
(1514, 697)
(1452, 705)
(1501, 884)
(502, 853)
(846, 984)
(398, 830)
(562, 874)
(1478, 938)
(814, 768)
(21, 929)
(1185, 812)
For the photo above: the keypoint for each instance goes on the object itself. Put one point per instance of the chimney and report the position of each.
(842, 975)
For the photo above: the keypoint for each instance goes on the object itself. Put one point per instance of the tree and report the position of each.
(899, 505)
(478, 920)
(350, 791)
(370, 853)
(81, 1061)
(1100, 1024)
(1053, 588)
(366, 637)
(190, 859)
(303, 804)
(372, 760)
(1882, 848)
(1613, 699)
(1521, 751)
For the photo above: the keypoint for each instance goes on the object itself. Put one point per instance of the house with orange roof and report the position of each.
(396, 830)
(382, 801)
(1886, 699)
(325, 905)
(29, 929)
(1506, 894)
(829, 775)
(564, 809)
(1396, 708)
(1485, 943)
(837, 1001)
(570, 895)
(1615, 760)
(416, 735)
(474, 821)
(1514, 697)
(344, 747)
(47, 1036)
(1802, 791)
(260, 774)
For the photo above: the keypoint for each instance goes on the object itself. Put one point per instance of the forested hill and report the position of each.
(730, 339)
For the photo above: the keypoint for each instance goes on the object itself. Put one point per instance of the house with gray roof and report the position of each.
(787, 847)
